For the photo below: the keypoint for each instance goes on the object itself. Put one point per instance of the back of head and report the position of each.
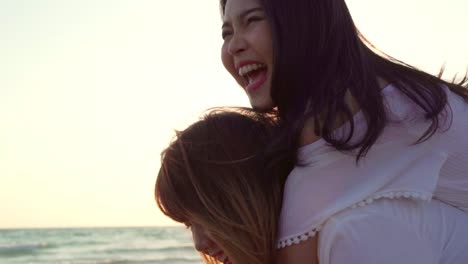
(214, 175)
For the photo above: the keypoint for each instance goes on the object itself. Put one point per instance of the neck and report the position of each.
(308, 135)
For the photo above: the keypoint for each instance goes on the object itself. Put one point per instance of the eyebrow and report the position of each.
(242, 15)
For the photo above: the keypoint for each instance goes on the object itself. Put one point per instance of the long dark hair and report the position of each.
(214, 174)
(320, 56)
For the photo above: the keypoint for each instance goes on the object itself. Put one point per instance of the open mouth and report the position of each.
(221, 257)
(254, 75)
(225, 260)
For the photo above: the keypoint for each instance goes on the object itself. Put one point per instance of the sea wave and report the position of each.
(178, 260)
(176, 248)
(166, 249)
(106, 261)
(173, 261)
(21, 249)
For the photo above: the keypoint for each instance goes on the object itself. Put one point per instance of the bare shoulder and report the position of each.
(302, 253)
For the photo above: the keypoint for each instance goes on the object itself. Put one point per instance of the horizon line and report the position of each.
(88, 227)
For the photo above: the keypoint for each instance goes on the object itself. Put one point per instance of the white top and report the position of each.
(399, 231)
(330, 182)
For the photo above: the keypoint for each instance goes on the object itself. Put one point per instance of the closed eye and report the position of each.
(254, 19)
(225, 34)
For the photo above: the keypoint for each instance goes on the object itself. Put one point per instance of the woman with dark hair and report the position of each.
(214, 180)
(380, 146)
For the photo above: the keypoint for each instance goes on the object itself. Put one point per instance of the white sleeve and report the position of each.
(369, 239)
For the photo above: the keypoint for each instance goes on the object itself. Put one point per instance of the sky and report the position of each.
(91, 92)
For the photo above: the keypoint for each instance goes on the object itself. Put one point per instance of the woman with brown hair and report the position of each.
(213, 179)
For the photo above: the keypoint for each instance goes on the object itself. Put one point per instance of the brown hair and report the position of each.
(214, 174)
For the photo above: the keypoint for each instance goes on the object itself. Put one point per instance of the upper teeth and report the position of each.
(248, 68)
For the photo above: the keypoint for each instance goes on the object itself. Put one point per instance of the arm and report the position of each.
(363, 240)
(302, 253)
(375, 239)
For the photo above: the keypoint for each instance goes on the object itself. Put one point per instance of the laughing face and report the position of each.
(247, 50)
(204, 243)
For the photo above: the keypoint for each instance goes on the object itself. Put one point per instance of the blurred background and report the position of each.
(92, 90)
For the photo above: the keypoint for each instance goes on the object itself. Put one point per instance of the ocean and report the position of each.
(142, 245)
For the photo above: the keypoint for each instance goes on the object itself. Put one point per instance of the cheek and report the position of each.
(227, 61)
(198, 240)
(268, 49)
(264, 42)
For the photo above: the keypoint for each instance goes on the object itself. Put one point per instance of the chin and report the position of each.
(262, 107)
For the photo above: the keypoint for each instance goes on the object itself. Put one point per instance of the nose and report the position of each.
(200, 239)
(237, 44)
